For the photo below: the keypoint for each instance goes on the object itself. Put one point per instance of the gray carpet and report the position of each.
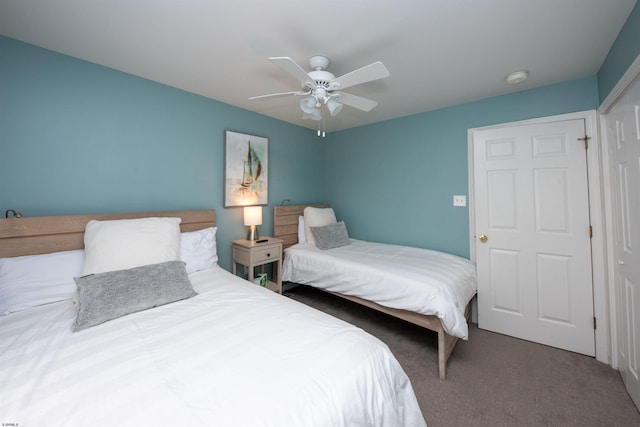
(492, 379)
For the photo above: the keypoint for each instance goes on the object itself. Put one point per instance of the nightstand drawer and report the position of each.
(266, 254)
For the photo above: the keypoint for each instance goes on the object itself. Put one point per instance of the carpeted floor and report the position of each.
(492, 379)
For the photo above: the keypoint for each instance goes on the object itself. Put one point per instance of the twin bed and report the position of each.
(427, 288)
(227, 353)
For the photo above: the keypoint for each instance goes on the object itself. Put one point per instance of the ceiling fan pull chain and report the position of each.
(323, 133)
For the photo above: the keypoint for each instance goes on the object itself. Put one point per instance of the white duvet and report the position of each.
(419, 280)
(235, 355)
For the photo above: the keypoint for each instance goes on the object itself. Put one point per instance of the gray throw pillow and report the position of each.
(331, 236)
(107, 296)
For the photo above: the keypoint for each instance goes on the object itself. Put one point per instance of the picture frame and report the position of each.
(246, 169)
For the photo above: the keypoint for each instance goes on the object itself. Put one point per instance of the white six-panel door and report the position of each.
(533, 249)
(622, 127)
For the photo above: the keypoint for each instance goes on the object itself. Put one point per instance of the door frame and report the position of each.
(596, 212)
(618, 90)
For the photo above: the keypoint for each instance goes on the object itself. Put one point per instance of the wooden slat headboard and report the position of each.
(285, 222)
(41, 235)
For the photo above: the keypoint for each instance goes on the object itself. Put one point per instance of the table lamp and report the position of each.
(252, 218)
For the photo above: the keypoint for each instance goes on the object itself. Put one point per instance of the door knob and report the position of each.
(483, 238)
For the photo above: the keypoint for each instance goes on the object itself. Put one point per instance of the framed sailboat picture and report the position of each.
(246, 167)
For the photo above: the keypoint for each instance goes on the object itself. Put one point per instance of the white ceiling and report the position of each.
(439, 52)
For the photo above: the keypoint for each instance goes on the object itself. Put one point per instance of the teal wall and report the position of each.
(80, 138)
(76, 138)
(624, 51)
(394, 181)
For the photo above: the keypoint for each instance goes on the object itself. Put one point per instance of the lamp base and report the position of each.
(252, 234)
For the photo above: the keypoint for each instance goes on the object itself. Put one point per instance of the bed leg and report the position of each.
(442, 356)
(446, 344)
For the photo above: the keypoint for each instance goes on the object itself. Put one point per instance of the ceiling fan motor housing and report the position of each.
(320, 76)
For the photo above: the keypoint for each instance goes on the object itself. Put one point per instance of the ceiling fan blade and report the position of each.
(291, 67)
(279, 95)
(368, 73)
(355, 101)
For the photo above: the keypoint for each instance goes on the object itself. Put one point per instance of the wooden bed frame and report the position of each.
(285, 227)
(46, 234)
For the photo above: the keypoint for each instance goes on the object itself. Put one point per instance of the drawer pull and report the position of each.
(268, 254)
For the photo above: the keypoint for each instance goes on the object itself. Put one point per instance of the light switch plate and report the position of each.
(459, 200)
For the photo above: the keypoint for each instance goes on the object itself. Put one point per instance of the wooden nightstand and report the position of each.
(252, 254)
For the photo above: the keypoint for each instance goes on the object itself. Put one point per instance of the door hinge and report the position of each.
(590, 232)
(586, 141)
(594, 323)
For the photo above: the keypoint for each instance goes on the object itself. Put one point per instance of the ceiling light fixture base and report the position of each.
(517, 77)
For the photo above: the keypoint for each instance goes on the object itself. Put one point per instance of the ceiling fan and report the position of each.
(320, 87)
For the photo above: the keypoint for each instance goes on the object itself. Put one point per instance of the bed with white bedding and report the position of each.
(429, 288)
(233, 354)
(418, 280)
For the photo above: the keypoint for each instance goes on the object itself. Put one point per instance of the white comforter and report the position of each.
(419, 280)
(235, 355)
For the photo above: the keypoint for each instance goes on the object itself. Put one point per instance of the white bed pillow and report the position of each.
(302, 234)
(198, 249)
(317, 217)
(127, 243)
(33, 280)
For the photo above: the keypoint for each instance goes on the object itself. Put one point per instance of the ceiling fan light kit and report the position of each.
(307, 105)
(313, 115)
(333, 106)
(322, 88)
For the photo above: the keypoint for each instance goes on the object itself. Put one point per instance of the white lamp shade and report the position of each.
(252, 215)
(315, 115)
(334, 107)
(308, 104)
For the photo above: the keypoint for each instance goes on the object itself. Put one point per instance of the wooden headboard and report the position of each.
(45, 234)
(285, 222)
